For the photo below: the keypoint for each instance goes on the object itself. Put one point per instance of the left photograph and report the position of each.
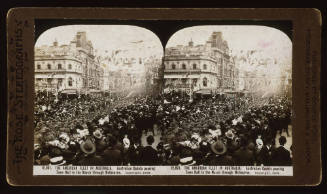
(96, 90)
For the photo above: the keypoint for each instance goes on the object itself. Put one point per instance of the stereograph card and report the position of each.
(126, 96)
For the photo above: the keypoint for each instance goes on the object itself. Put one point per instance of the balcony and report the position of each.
(58, 71)
(183, 70)
(182, 86)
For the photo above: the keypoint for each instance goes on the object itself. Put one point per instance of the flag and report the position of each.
(137, 42)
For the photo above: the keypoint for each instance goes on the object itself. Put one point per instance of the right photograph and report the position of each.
(228, 96)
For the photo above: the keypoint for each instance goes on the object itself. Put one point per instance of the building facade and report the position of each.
(201, 68)
(70, 68)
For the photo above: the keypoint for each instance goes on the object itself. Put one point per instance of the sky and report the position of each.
(112, 37)
(106, 37)
(140, 42)
(273, 42)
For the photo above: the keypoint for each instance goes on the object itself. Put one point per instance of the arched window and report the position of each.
(49, 66)
(205, 66)
(194, 80)
(70, 81)
(69, 66)
(59, 66)
(38, 66)
(205, 82)
(173, 66)
(183, 66)
(59, 81)
(194, 66)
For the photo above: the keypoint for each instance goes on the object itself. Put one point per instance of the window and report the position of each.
(70, 81)
(184, 80)
(69, 66)
(183, 66)
(38, 66)
(194, 66)
(195, 80)
(173, 66)
(59, 66)
(205, 82)
(205, 66)
(59, 81)
(49, 66)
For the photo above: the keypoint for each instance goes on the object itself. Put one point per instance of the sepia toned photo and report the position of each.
(110, 95)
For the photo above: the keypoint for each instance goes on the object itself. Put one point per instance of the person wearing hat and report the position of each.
(258, 146)
(244, 156)
(264, 157)
(55, 156)
(186, 157)
(89, 158)
(218, 155)
(98, 134)
(44, 160)
(112, 155)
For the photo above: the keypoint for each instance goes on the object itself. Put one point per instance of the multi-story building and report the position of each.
(68, 68)
(126, 71)
(206, 68)
(261, 75)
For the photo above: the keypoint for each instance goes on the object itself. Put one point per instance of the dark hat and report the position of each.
(282, 140)
(218, 147)
(55, 152)
(88, 147)
(251, 146)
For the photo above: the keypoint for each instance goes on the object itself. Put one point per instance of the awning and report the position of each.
(181, 76)
(204, 92)
(44, 76)
(94, 91)
(69, 92)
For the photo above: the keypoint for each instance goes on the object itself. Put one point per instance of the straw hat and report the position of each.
(97, 134)
(218, 147)
(229, 134)
(59, 160)
(88, 147)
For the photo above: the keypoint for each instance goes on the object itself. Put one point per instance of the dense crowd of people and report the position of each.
(107, 130)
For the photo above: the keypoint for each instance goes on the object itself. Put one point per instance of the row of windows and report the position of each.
(194, 81)
(49, 80)
(49, 66)
(69, 81)
(173, 66)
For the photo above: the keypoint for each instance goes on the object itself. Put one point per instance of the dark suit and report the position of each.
(244, 157)
(224, 160)
(112, 156)
(90, 160)
(148, 156)
(264, 157)
(281, 157)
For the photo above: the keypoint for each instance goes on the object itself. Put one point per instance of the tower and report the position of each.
(55, 42)
(190, 43)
